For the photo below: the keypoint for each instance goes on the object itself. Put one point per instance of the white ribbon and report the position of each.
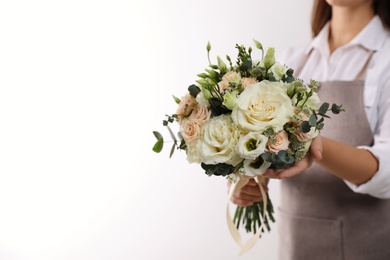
(242, 181)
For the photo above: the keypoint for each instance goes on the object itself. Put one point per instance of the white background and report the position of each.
(82, 86)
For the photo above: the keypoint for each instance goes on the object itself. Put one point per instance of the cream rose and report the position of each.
(264, 104)
(281, 142)
(218, 142)
(251, 145)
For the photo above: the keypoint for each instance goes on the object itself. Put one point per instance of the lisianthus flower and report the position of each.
(253, 168)
(252, 145)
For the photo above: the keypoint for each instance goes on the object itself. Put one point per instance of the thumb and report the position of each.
(316, 148)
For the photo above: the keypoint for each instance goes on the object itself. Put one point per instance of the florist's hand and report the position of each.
(314, 154)
(248, 194)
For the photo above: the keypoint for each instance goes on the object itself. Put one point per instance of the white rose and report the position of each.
(264, 104)
(192, 154)
(219, 140)
(252, 169)
(313, 101)
(278, 70)
(252, 145)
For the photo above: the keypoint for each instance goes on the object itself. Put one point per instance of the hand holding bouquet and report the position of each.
(243, 118)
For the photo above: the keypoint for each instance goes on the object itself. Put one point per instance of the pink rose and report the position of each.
(186, 106)
(281, 142)
(223, 85)
(304, 137)
(191, 130)
(232, 76)
(247, 82)
(201, 114)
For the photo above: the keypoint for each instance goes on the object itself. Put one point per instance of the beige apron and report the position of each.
(320, 216)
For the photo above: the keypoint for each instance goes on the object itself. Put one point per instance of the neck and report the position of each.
(346, 23)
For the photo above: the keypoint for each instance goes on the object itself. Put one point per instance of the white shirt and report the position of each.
(345, 64)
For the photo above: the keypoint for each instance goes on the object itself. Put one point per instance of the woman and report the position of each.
(339, 207)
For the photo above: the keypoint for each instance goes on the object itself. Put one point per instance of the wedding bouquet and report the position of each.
(240, 119)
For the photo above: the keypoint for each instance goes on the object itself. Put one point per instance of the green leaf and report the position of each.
(258, 45)
(172, 134)
(313, 120)
(323, 108)
(202, 75)
(267, 156)
(172, 149)
(157, 135)
(336, 109)
(194, 90)
(177, 100)
(158, 146)
(246, 66)
(285, 157)
(305, 127)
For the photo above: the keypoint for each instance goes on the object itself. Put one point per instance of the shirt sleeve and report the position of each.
(379, 185)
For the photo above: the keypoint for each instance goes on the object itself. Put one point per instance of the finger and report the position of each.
(242, 203)
(245, 200)
(295, 169)
(272, 173)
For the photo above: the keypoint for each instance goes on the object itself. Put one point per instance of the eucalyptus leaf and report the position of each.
(157, 135)
(246, 66)
(172, 149)
(323, 108)
(172, 134)
(336, 109)
(312, 120)
(305, 127)
(194, 90)
(158, 146)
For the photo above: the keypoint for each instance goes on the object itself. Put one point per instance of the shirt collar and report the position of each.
(372, 37)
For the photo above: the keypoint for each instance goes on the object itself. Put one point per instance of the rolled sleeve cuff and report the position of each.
(379, 185)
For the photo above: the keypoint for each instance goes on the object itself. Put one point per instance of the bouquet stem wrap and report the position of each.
(242, 181)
